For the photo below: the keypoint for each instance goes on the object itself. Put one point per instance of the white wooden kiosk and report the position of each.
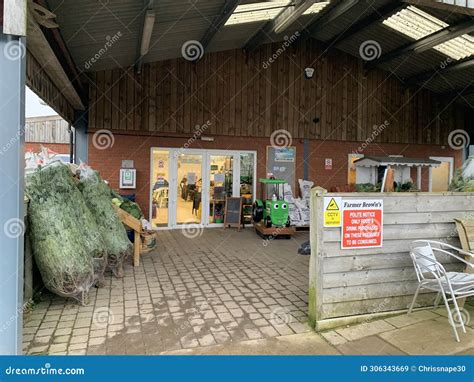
(367, 168)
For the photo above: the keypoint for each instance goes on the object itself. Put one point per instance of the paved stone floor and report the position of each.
(223, 292)
(198, 288)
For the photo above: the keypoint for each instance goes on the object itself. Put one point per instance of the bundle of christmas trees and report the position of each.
(74, 231)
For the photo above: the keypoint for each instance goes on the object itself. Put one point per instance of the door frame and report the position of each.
(205, 174)
(451, 169)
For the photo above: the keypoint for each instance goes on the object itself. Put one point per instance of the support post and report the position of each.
(316, 232)
(306, 153)
(81, 148)
(12, 226)
(418, 178)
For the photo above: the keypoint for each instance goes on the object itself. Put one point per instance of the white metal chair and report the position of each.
(432, 276)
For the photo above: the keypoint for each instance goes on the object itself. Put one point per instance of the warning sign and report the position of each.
(362, 223)
(332, 211)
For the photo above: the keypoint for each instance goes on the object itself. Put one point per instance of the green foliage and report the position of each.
(368, 187)
(68, 250)
(97, 196)
(132, 208)
(460, 183)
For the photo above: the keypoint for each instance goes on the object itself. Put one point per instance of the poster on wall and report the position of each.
(281, 163)
(362, 223)
(285, 154)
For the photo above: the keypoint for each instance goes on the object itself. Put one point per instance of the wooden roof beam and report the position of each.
(326, 17)
(225, 12)
(462, 91)
(450, 68)
(425, 43)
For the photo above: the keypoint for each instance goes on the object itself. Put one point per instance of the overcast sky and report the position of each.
(34, 108)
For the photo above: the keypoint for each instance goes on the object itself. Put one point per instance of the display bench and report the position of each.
(136, 225)
(355, 284)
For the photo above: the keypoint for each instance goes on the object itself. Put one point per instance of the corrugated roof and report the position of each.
(88, 25)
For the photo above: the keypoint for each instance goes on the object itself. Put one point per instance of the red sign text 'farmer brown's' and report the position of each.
(362, 223)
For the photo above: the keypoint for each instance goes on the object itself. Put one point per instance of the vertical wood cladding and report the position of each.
(252, 96)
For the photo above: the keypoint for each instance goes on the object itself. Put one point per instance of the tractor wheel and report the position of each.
(268, 222)
(257, 211)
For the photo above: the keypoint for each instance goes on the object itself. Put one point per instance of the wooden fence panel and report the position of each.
(357, 282)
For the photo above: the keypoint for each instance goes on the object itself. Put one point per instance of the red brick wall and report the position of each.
(108, 161)
(60, 148)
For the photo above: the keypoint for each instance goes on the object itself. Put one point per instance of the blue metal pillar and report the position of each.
(81, 150)
(12, 125)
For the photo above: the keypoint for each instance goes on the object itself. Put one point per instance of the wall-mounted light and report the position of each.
(207, 139)
(309, 73)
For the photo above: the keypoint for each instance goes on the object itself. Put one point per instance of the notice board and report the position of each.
(281, 163)
(362, 223)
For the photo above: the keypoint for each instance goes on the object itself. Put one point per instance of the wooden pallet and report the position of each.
(275, 232)
(136, 225)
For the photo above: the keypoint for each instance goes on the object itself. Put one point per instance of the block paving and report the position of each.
(223, 292)
(198, 288)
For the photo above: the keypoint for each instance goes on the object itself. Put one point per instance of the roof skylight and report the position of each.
(316, 8)
(263, 11)
(416, 24)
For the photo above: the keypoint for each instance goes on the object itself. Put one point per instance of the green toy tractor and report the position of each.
(271, 208)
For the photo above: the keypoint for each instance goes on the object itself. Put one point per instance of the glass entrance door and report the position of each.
(221, 185)
(160, 188)
(189, 188)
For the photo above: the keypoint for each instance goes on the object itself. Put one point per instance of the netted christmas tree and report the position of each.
(97, 196)
(67, 244)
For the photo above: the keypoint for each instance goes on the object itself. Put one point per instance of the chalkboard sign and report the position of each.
(233, 212)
